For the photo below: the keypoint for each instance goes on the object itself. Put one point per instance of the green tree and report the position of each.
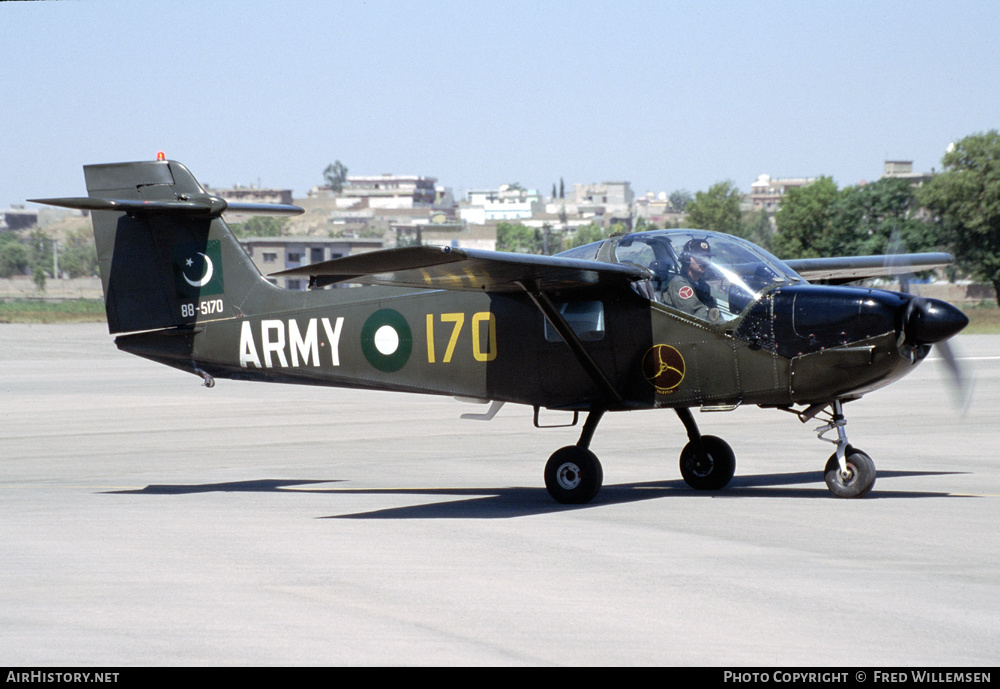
(40, 249)
(551, 241)
(335, 175)
(756, 227)
(680, 199)
(78, 255)
(965, 201)
(717, 209)
(804, 221)
(517, 238)
(14, 256)
(38, 275)
(643, 225)
(261, 226)
(585, 234)
(883, 217)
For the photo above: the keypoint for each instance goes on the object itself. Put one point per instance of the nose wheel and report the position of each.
(857, 480)
(849, 473)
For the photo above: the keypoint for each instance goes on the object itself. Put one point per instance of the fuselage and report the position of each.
(772, 338)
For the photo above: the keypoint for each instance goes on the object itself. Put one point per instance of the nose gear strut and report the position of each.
(837, 421)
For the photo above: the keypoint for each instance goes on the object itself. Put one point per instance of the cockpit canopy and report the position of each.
(708, 275)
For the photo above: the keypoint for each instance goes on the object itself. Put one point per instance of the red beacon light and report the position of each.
(161, 156)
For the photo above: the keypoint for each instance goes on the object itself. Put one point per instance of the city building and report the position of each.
(507, 202)
(656, 208)
(17, 217)
(903, 169)
(253, 194)
(389, 192)
(274, 254)
(607, 198)
(595, 202)
(766, 192)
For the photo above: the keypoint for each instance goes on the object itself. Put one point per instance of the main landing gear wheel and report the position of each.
(573, 475)
(858, 480)
(708, 464)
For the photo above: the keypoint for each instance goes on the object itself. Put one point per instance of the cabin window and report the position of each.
(710, 276)
(585, 318)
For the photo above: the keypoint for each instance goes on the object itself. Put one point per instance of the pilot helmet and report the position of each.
(698, 249)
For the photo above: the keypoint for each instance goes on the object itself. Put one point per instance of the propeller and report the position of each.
(961, 386)
(929, 321)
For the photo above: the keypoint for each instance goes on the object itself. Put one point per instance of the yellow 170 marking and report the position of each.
(458, 320)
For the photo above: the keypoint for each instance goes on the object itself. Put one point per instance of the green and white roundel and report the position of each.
(386, 340)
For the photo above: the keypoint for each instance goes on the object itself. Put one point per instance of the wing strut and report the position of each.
(557, 321)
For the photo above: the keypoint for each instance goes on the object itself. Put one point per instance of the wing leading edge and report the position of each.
(850, 268)
(475, 270)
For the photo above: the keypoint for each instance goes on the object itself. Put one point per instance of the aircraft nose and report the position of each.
(927, 321)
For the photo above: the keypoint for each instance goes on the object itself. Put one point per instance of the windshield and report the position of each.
(705, 274)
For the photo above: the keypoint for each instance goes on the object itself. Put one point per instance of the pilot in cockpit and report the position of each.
(687, 291)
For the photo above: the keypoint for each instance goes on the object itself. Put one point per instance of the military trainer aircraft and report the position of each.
(673, 319)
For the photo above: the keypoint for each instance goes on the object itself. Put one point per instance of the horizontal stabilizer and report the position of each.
(431, 267)
(263, 208)
(850, 268)
(203, 204)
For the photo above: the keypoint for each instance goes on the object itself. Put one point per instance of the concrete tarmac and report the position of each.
(147, 520)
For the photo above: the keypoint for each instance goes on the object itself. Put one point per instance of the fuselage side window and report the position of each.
(585, 318)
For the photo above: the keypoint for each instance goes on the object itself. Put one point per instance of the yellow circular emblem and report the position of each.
(663, 367)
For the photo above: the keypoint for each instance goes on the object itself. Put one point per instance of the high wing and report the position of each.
(470, 270)
(851, 268)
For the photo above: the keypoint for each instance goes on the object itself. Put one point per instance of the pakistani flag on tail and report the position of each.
(198, 269)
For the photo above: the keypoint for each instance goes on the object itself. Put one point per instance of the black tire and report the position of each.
(708, 465)
(573, 475)
(861, 478)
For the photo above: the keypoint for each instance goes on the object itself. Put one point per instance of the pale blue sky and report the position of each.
(665, 95)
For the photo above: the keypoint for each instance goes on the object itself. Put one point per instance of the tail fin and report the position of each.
(166, 256)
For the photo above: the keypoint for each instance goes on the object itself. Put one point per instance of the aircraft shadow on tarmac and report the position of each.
(505, 503)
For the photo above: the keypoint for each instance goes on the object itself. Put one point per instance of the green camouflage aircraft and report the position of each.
(676, 319)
